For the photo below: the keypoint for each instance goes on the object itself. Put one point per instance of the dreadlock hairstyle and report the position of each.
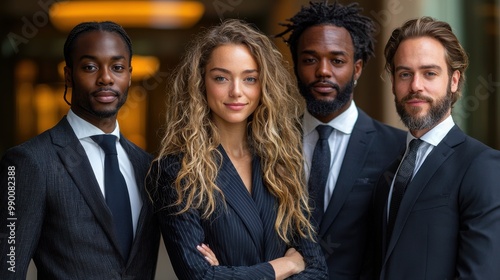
(85, 27)
(273, 131)
(361, 28)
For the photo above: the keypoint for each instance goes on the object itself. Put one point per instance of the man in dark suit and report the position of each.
(55, 194)
(330, 44)
(443, 207)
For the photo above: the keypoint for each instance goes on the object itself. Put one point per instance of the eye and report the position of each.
(251, 80)
(119, 68)
(337, 61)
(308, 60)
(89, 68)
(404, 75)
(220, 79)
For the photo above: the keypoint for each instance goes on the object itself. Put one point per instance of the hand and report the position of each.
(290, 264)
(208, 254)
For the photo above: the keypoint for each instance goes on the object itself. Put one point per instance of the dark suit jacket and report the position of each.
(241, 234)
(448, 224)
(345, 228)
(63, 222)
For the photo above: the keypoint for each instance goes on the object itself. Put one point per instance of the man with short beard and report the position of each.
(330, 45)
(439, 218)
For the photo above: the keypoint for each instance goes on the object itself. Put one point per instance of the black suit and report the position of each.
(242, 234)
(448, 224)
(345, 228)
(63, 222)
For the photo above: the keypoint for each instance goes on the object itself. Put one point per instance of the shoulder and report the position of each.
(131, 147)
(383, 130)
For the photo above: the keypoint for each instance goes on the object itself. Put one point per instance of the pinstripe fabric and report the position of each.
(63, 222)
(241, 235)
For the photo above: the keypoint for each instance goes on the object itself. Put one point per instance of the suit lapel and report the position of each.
(77, 165)
(139, 163)
(431, 164)
(353, 161)
(239, 199)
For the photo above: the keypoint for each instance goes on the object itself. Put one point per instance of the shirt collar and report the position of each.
(343, 122)
(84, 129)
(436, 134)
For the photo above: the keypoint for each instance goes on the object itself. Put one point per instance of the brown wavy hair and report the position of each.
(274, 132)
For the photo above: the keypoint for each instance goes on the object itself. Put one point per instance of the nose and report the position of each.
(324, 69)
(236, 89)
(105, 77)
(416, 83)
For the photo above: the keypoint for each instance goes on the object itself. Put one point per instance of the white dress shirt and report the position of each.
(96, 156)
(343, 125)
(430, 140)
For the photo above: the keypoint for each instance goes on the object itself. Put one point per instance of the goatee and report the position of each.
(322, 107)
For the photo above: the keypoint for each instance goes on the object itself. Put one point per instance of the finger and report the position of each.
(208, 254)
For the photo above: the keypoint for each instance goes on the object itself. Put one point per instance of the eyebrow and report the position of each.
(423, 67)
(312, 52)
(229, 72)
(114, 58)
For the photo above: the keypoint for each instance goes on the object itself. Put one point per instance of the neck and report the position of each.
(234, 141)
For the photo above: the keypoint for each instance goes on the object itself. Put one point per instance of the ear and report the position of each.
(68, 80)
(455, 78)
(358, 68)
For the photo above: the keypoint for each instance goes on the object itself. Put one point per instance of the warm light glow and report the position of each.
(149, 14)
(143, 67)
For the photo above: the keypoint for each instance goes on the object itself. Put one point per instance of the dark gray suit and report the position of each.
(63, 222)
(242, 235)
(345, 229)
(448, 224)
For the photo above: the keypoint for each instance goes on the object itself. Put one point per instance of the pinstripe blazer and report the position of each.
(241, 234)
(63, 222)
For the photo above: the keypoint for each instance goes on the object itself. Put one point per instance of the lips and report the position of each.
(105, 96)
(235, 106)
(323, 88)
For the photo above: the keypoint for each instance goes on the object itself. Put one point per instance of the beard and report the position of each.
(322, 107)
(438, 109)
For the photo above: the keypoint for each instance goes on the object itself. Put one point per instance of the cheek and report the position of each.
(304, 73)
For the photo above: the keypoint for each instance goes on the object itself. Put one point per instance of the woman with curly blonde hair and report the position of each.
(230, 169)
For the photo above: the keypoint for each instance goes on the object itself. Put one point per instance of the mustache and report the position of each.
(105, 89)
(332, 84)
(416, 96)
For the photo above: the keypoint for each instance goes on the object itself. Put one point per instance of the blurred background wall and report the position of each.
(31, 60)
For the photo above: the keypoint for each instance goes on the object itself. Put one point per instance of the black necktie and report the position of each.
(402, 179)
(116, 193)
(320, 167)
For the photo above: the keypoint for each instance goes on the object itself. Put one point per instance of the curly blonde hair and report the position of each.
(274, 132)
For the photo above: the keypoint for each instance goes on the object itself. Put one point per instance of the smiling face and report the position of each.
(327, 70)
(100, 76)
(422, 86)
(232, 84)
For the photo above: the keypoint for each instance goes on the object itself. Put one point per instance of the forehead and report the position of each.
(326, 37)
(232, 54)
(419, 51)
(100, 43)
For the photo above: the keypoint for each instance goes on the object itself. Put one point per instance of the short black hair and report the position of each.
(84, 27)
(361, 28)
